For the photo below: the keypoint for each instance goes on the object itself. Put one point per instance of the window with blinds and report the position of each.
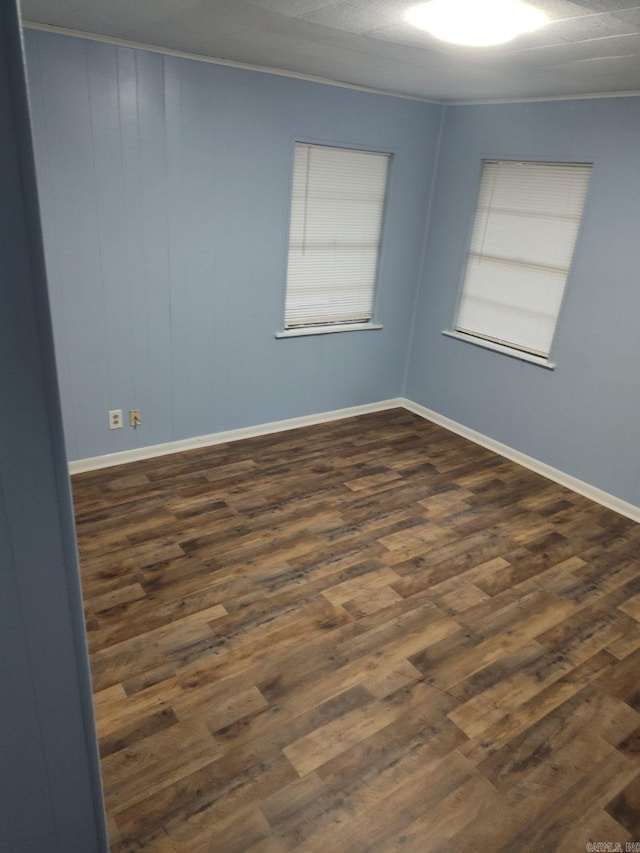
(334, 238)
(522, 245)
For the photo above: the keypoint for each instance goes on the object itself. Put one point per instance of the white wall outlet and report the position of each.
(115, 419)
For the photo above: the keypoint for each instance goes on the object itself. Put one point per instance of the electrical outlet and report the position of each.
(115, 419)
(134, 418)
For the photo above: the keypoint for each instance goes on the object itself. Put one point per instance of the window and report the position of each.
(334, 238)
(523, 240)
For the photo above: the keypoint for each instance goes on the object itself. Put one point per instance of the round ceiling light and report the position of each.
(478, 23)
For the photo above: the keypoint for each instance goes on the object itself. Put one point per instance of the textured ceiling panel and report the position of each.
(123, 13)
(292, 7)
(568, 54)
(347, 16)
(606, 5)
(45, 10)
(589, 47)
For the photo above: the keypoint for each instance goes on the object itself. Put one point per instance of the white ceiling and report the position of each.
(590, 46)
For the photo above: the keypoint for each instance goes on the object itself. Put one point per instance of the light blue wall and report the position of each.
(584, 417)
(50, 795)
(164, 185)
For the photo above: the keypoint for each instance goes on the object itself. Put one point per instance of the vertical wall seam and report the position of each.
(99, 235)
(165, 152)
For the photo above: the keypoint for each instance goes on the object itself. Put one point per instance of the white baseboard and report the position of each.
(588, 491)
(93, 463)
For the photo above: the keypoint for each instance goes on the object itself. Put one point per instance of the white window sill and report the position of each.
(513, 353)
(302, 331)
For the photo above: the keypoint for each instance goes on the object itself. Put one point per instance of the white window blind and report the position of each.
(336, 219)
(523, 239)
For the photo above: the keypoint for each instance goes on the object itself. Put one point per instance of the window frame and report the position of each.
(484, 343)
(332, 328)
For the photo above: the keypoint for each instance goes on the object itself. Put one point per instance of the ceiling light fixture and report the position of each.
(478, 23)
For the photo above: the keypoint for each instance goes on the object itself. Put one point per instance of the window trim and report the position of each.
(513, 352)
(332, 328)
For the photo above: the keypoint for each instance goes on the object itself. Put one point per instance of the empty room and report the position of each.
(319, 469)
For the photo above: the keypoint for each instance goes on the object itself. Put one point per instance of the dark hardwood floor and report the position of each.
(369, 635)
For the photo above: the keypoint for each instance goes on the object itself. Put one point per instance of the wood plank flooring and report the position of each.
(369, 635)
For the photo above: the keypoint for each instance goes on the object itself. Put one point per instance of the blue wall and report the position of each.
(165, 186)
(584, 417)
(50, 795)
